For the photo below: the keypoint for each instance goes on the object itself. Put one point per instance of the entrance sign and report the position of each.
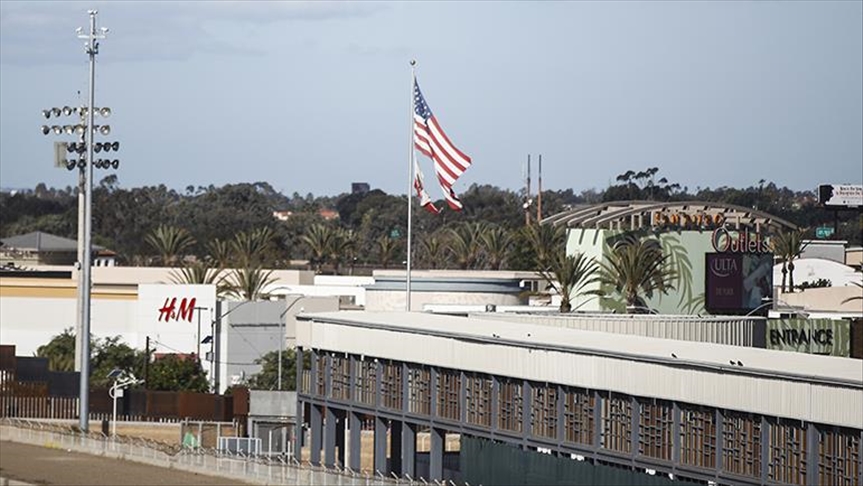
(814, 336)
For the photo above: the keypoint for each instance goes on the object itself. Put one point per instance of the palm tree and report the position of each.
(169, 242)
(317, 239)
(249, 248)
(201, 272)
(432, 249)
(220, 252)
(569, 275)
(386, 249)
(342, 245)
(855, 297)
(496, 245)
(787, 247)
(636, 268)
(463, 244)
(545, 241)
(248, 283)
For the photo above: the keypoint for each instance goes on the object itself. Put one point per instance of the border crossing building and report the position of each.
(603, 406)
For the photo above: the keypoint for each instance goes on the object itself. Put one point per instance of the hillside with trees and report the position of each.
(351, 232)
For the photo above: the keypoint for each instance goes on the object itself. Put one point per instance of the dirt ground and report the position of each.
(168, 433)
(41, 465)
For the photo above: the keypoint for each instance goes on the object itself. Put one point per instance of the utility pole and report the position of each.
(198, 336)
(147, 362)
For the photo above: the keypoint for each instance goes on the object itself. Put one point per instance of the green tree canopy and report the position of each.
(168, 373)
(123, 217)
(173, 373)
(60, 351)
(268, 377)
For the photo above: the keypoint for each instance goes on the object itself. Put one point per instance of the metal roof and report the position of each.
(38, 241)
(632, 214)
(819, 389)
(780, 364)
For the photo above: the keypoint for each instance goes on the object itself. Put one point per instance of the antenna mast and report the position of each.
(539, 193)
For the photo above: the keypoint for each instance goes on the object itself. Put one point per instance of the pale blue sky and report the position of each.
(313, 96)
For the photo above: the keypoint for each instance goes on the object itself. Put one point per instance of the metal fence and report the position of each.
(249, 468)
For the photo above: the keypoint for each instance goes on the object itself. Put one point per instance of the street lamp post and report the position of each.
(122, 379)
(282, 337)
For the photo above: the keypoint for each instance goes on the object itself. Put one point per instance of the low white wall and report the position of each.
(386, 300)
(29, 322)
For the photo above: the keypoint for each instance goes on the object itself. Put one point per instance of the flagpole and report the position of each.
(410, 188)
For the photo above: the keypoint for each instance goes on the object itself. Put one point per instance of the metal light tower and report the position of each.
(91, 47)
(85, 130)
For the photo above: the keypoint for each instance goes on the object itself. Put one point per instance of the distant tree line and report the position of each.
(219, 225)
(228, 236)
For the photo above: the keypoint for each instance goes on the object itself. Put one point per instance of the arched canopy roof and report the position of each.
(626, 215)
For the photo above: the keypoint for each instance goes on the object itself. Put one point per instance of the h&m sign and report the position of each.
(170, 314)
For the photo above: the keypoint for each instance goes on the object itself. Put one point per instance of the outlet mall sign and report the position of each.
(724, 240)
(730, 241)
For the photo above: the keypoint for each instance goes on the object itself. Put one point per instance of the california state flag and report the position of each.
(425, 200)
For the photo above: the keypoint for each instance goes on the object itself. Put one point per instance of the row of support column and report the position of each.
(329, 427)
(335, 439)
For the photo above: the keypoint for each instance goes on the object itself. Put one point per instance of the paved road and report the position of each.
(40, 465)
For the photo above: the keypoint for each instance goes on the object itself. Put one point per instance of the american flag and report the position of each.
(449, 162)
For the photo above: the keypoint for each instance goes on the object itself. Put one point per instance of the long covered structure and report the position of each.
(704, 412)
